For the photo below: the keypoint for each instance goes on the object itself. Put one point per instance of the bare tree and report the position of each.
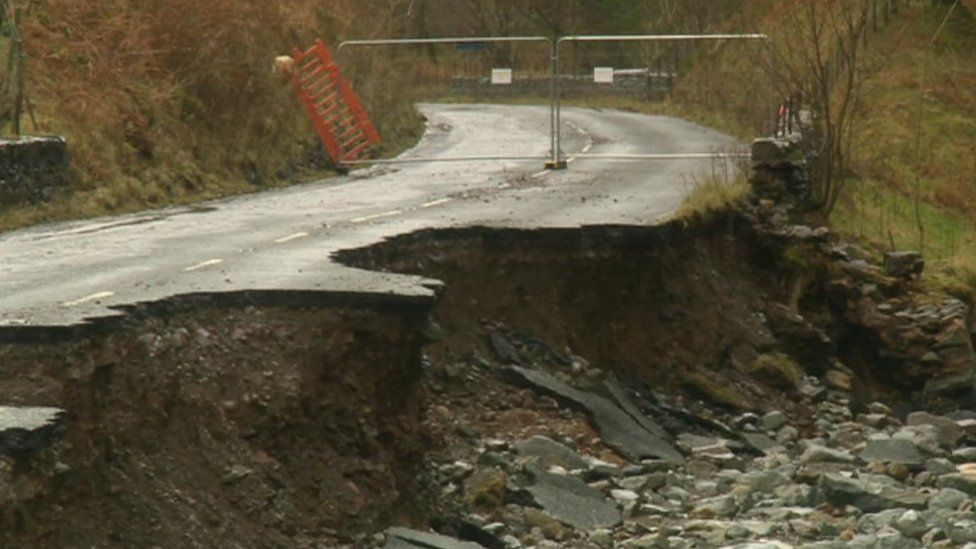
(820, 58)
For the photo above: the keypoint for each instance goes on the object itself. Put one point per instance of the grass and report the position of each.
(885, 219)
(917, 145)
(167, 103)
(710, 197)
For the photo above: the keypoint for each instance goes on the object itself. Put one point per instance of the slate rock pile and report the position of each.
(867, 479)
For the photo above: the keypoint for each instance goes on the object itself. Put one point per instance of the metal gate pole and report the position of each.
(554, 160)
(631, 38)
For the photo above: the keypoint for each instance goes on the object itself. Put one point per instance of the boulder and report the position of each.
(907, 265)
(868, 496)
(893, 451)
(549, 453)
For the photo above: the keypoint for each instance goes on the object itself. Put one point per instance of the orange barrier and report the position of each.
(333, 108)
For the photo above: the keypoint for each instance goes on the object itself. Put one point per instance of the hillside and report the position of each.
(913, 161)
(174, 102)
(917, 141)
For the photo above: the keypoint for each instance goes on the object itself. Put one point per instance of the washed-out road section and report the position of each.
(63, 274)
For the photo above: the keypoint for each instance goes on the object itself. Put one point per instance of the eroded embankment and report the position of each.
(673, 306)
(303, 419)
(271, 419)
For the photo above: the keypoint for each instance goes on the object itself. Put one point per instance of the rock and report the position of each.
(879, 408)
(968, 425)
(959, 482)
(571, 501)
(893, 451)
(482, 534)
(772, 421)
(602, 538)
(964, 455)
(961, 531)
(899, 471)
(624, 497)
(550, 453)
(866, 495)
(949, 385)
(551, 528)
(839, 380)
(643, 483)
(24, 431)
(939, 466)
(722, 506)
(787, 435)
(925, 437)
(948, 499)
(759, 442)
(911, 524)
(621, 395)
(907, 265)
(617, 428)
(737, 532)
(821, 454)
(948, 430)
(236, 473)
(404, 538)
(505, 351)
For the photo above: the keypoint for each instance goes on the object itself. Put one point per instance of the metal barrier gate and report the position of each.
(556, 158)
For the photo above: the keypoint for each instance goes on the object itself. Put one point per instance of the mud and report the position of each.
(277, 420)
(306, 419)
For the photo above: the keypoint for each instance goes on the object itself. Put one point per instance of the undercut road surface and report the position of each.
(62, 274)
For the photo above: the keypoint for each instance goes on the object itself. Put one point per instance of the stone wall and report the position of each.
(891, 330)
(33, 170)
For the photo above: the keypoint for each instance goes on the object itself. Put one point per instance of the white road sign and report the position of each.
(501, 77)
(603, 75)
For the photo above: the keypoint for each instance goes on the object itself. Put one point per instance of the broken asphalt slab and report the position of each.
(617, 428)
(571, 501)
(24, 431)
(405, 538)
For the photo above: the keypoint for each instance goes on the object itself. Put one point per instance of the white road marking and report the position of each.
(88, 299)
(203, 265)
(291, 237)
(13, 322)
(375, 217)
(540, 174)
(435, 203)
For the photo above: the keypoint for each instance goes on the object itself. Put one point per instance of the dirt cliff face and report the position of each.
(216, 424)
(308, 419)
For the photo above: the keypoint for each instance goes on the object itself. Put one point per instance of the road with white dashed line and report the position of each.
(58, 275)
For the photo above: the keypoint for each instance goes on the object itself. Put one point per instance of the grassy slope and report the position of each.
(174, 102)
(906, 148)
(917, 145)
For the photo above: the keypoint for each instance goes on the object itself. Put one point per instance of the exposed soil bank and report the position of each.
(275, 420)
(673, 306)
(304, 419)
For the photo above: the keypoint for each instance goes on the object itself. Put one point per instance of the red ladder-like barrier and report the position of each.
(332, 106)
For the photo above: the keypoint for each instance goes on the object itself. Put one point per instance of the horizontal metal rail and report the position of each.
(662, 156)
(449, 159)
(458, 40)
(660, 37)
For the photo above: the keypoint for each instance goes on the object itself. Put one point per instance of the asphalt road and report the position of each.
(61, 274)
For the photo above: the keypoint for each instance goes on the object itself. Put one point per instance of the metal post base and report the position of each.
(557, 165)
